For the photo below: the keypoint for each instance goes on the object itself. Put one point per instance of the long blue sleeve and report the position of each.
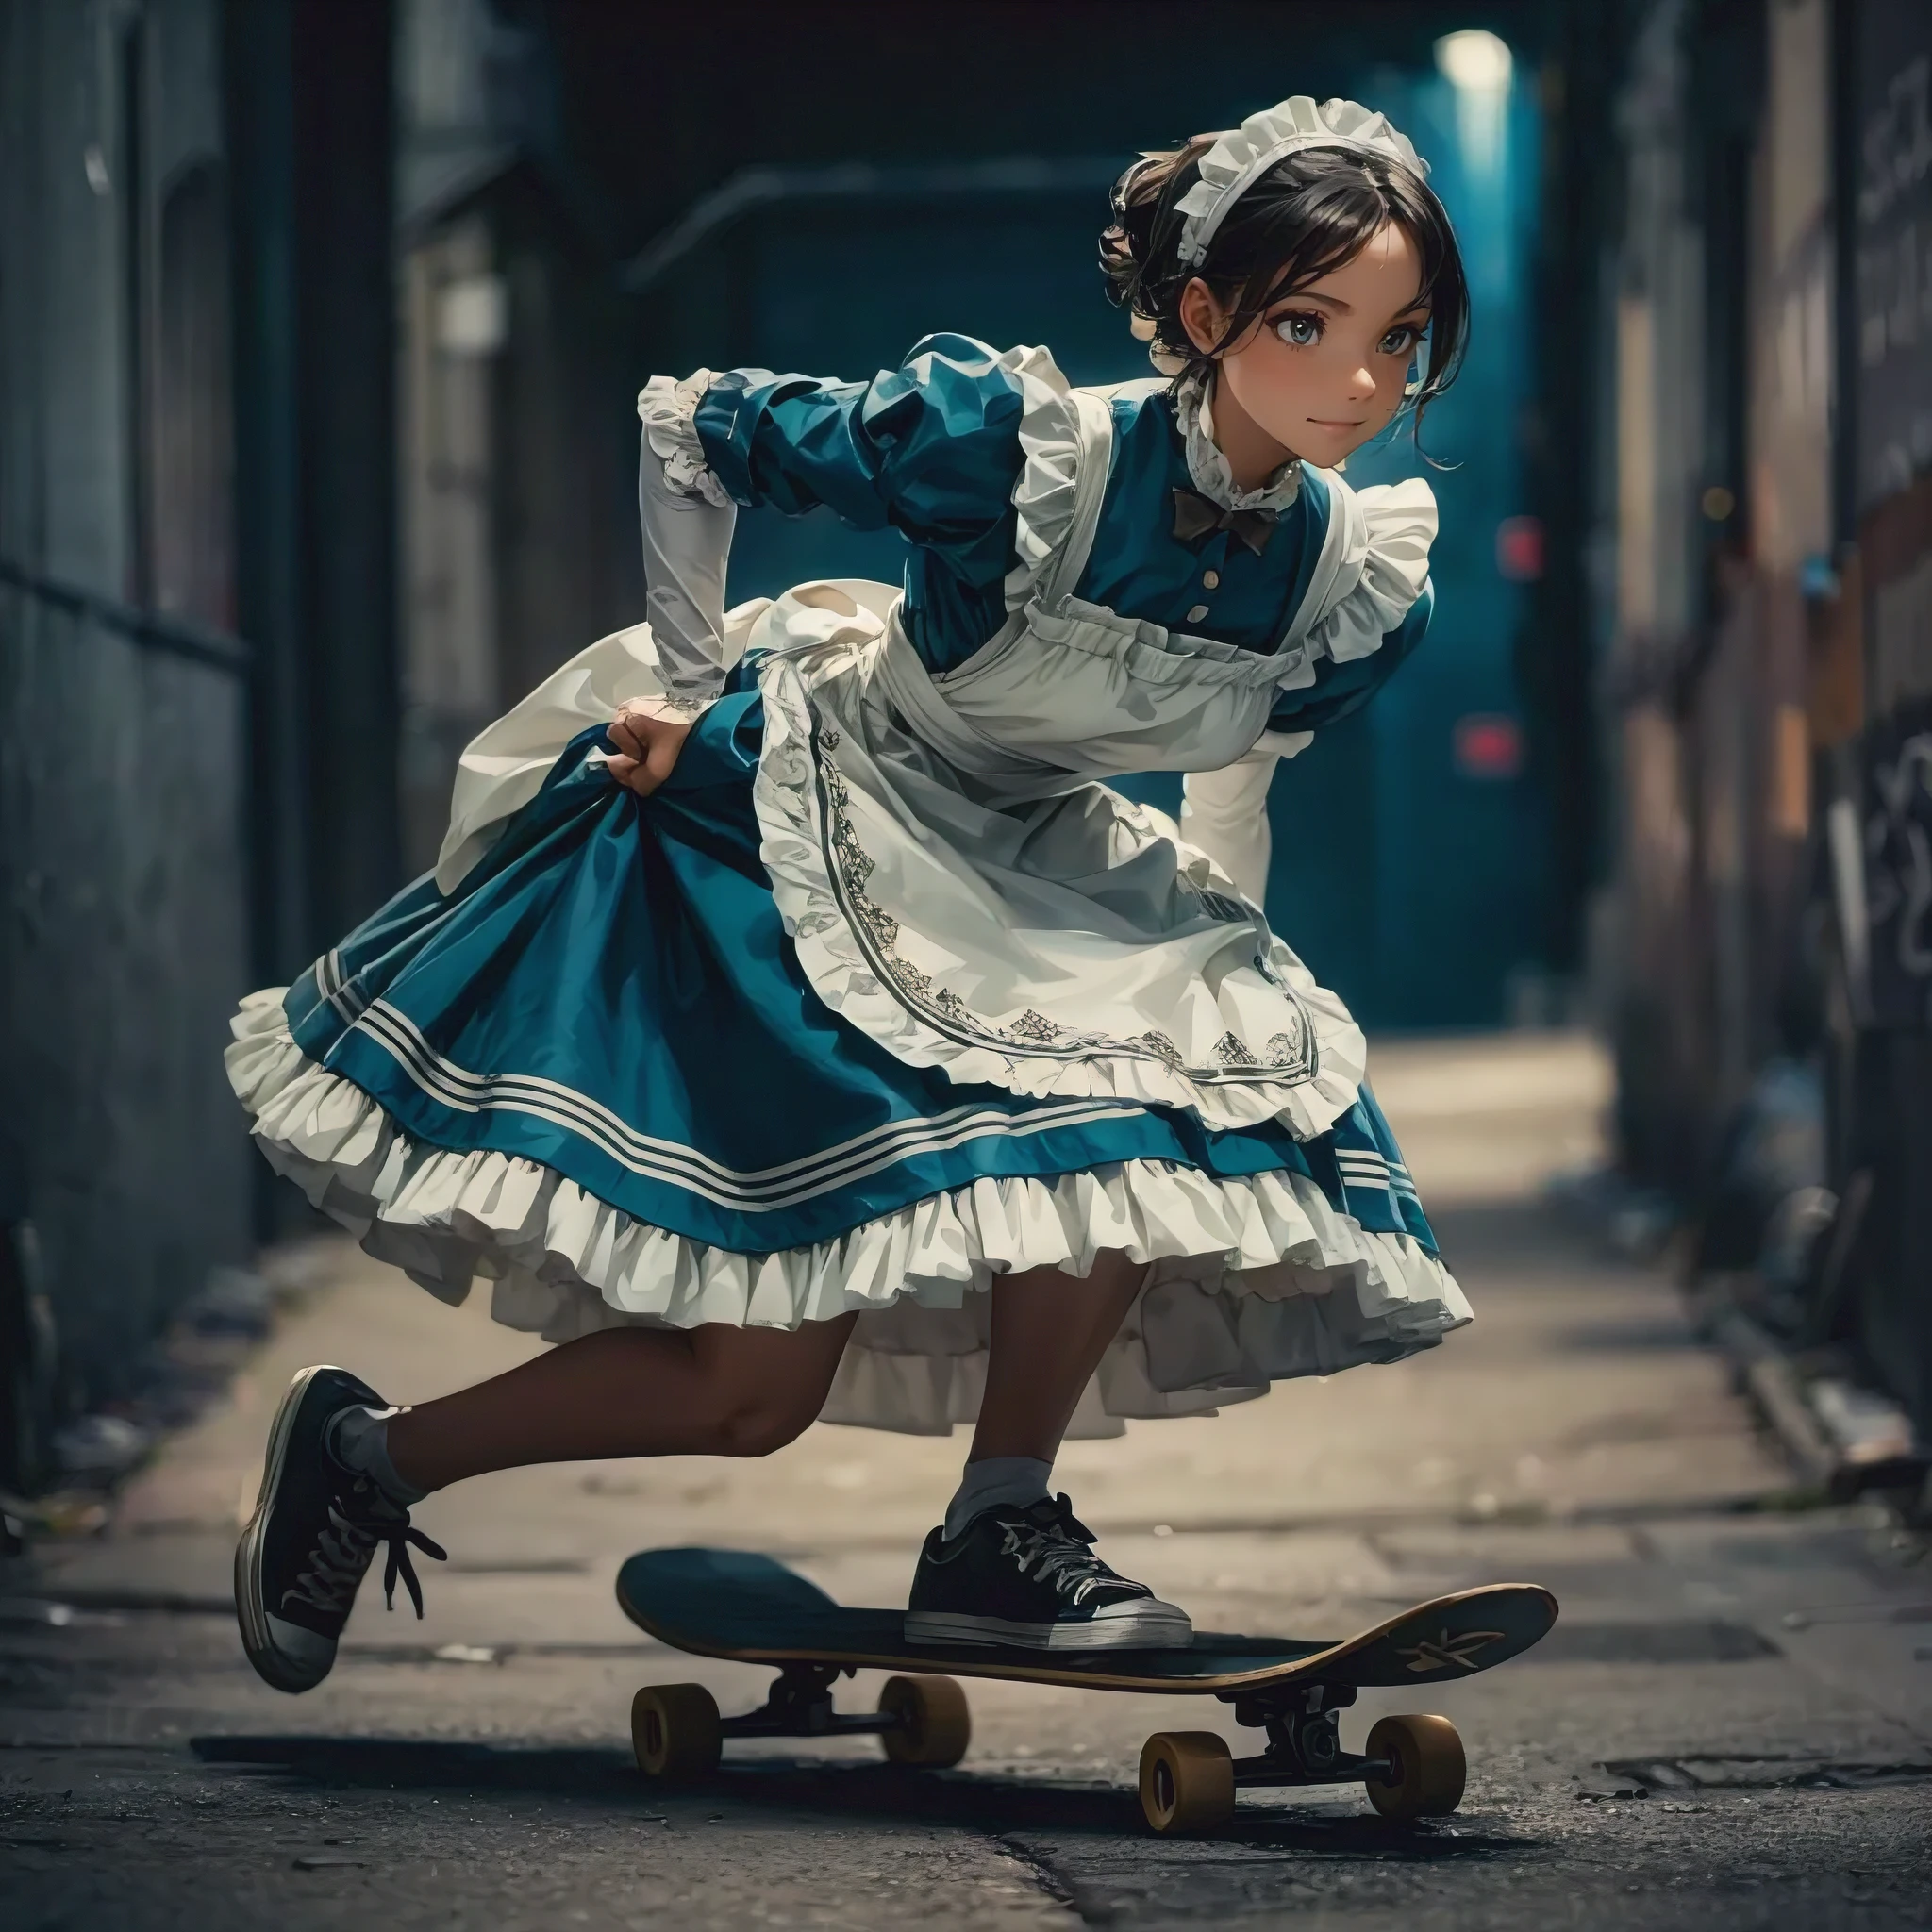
(930, 449)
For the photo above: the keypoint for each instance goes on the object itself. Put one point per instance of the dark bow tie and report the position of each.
(1197, 517)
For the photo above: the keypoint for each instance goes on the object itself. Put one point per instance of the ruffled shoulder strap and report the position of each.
(1066, 442)
(1373, 564)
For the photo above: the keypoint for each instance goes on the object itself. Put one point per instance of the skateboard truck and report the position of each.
(1304, 1739)
(799, 1705)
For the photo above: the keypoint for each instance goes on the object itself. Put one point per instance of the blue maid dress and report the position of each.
(885, 991)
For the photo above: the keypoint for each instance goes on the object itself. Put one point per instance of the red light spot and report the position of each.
(1489, 746)
(1520, 549)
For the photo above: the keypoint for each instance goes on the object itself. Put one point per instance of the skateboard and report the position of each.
(751, 1610)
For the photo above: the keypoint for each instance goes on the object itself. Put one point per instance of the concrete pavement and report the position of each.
(1731, 1725)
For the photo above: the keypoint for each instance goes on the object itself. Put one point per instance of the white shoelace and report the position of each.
(1056, 1558)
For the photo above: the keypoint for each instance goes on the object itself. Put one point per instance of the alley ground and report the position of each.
(1730, 1728)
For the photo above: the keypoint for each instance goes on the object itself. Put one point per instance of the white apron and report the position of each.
(957, 886)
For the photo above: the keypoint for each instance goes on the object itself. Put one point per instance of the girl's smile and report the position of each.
(1325, 369)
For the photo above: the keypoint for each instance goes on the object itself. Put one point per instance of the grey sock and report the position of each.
(994, 1480)
(359, 1440)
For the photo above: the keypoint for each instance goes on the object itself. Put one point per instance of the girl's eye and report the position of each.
(1299, 331)
(1399, 341)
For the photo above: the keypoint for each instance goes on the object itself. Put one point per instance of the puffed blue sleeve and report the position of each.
(930, 449)
(1339, 689)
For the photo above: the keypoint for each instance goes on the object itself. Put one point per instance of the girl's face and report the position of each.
(1323, 369)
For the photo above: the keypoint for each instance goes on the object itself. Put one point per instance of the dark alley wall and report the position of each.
(197, 691)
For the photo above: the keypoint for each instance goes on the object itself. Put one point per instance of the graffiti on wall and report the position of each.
(1898, 865)
(1892, 248)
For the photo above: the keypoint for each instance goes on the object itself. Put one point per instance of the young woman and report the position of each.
(797, 1025)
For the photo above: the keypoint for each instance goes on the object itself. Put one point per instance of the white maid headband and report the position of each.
(1242, 156)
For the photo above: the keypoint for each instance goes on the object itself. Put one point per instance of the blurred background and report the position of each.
(320, 326)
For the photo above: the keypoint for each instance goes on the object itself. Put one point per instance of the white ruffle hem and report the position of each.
(1250, 1280)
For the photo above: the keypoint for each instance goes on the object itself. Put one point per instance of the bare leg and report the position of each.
(720, 1391)
(1009, 1563)
(1049, 1332)
(715, 1390)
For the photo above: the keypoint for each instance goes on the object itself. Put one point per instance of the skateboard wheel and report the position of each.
(1187, 1781)
(1426, 1766)
(675, 1731)
(934, 1724)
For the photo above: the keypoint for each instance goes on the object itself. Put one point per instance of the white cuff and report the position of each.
(681, 707)
(686, 521)
(1224, 814)
(669, 410)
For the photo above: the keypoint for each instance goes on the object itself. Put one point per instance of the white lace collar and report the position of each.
(1208, 467)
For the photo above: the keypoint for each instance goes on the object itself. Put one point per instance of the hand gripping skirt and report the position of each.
(595, 1076)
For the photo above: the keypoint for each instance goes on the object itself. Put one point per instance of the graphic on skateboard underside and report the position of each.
(746, 1607)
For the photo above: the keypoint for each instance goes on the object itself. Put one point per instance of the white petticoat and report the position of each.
(1252, 1279)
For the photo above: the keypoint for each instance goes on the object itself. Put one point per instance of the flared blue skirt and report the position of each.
(596, 1072)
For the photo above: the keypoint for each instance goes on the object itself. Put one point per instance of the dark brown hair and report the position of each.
(1312, 212)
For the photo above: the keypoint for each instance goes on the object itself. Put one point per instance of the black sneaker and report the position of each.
(313, 1535)
(1029, 1577)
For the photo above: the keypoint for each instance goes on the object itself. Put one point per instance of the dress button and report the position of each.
(1197, 613)
(1211, 579)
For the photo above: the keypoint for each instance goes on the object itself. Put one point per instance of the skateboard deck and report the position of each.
(751, 1610)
